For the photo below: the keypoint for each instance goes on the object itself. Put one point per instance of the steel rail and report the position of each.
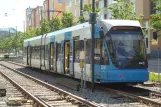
(36, 100)
(67, 95)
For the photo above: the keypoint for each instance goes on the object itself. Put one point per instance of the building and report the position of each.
(73, 6)
(53, 8)
(38, 16)
(28, 17)
(33, 17)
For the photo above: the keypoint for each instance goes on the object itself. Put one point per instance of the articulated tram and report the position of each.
(119, 57)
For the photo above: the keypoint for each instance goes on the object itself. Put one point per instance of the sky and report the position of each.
(16, 12)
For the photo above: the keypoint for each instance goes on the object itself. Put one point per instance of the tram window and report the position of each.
(76, 51)
(110, 47)
(97, 51)
(25, 52)
(88, 53)
(46, 51)
(81, 45)
(58, 51)
(42, 51)
(104, 56)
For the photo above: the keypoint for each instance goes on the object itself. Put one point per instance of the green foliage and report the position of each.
(55, 24)
(37, 31)
(81, 19)
(154, 77)
(124, 10)
(30, 33)
(6, 56)
(45, 28)
(67, 20)
(89, 10)
(156, 18)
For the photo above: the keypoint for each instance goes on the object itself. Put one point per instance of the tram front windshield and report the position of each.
(129, 48)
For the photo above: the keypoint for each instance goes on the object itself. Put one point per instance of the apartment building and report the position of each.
(53, 8)
(73, 6)
(36, 16)
(28, 17)
(33, 17)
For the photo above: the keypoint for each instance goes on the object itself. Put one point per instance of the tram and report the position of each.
(119, 57)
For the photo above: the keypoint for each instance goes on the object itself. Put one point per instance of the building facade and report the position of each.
(28, 17)
(53, 8)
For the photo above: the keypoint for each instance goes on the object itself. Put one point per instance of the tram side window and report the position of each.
(38, 52)
(32, 52)
(58, 51)
(25, 52)
(76, 51)
(97, 51)
(46, 52)
(78, 47)
(88, 51)
(81, 45)
(104, 56)
(109, 43)
(42, 51)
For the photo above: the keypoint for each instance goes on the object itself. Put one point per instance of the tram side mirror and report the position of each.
(155, 36)
(101, 34)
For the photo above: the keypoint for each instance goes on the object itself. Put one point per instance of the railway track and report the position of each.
(14, 97)
(43, 94)
(146, 96)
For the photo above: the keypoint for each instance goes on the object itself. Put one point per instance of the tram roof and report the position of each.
(77, 27)
(110, 23)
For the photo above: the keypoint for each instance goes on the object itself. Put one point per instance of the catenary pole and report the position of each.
(93, 21)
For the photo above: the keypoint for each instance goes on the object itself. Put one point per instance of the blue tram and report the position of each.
(119, 57)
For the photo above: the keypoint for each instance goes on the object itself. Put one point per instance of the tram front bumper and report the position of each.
(137, 75)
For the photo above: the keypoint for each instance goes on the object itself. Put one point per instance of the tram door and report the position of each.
(52, 56)
(67, 53)
(28, 56)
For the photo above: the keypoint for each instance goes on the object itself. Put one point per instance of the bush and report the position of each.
(154, 77)
(6, 56)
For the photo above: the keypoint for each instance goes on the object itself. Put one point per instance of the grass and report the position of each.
(154, 77)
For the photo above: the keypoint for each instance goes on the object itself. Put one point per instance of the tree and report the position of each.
(89, 10)
(37, 31)
(45, 28)
(30, 33)
(67, 20)
(156, 18)
(55, 24)
(124, 10)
